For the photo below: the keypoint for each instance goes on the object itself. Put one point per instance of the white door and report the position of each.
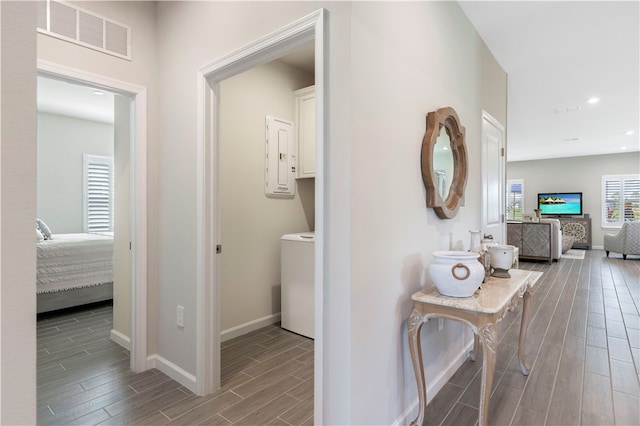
(493, 178)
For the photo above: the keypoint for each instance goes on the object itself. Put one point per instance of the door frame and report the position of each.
(311, 28)
(138, 197)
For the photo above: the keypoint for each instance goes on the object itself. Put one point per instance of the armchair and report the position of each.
(627, 241)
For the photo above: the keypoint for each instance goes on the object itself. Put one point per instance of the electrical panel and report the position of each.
(281, 158)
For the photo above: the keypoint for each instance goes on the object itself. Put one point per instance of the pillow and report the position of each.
(46, 232)
(39, 236)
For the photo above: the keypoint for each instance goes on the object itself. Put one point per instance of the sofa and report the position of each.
(626, 241)
(556, 237)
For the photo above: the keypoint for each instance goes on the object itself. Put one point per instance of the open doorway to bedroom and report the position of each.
(87, 256)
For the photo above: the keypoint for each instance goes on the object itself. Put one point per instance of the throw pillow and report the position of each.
(46, 232)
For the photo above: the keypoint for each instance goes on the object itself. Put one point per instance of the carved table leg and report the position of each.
(524, 325)
(489, 339)
(476, 348)
(415, 324)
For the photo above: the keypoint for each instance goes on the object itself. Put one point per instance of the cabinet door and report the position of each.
(536, 240)
(306, 121)
(514, 235)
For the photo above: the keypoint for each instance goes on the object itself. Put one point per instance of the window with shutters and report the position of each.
(98, 193)
(515, 199)
(620, 199)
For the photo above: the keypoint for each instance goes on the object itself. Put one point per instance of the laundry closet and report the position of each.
(267, 198)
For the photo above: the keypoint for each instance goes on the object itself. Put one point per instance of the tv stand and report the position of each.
(578, 228)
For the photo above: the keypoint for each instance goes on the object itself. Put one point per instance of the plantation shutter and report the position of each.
(631, 193)
(620, 199)
(98, 193)
(515, 199)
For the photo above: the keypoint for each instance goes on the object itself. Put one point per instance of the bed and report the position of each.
(73, 270)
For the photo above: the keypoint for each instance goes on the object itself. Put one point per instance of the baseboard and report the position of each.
(434, 386)
(597, 247)
(181, 376)
(121, 339)
(249, 327)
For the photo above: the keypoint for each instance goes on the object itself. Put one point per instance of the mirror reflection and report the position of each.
(443, 163)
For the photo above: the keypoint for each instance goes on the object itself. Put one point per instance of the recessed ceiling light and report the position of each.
(628, 132)
(623, 148)
(593, 100)
(98, 92)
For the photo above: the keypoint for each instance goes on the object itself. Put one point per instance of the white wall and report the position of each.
(17, 213)
(62, 141)
(574, 174)
(252, 224)
(407, 59)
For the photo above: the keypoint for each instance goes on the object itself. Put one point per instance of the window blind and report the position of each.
(98, 193)
(620, 199)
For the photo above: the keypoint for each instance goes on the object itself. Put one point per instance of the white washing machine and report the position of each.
(297, 289)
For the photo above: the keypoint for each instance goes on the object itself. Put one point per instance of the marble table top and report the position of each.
(490, 298)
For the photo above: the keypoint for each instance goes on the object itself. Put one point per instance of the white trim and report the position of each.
(121, 339)
(181, 376)
(435, 386)
(313, 27)
(248, 327)
(138, 199)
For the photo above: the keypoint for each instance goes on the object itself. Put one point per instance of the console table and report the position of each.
(481, 312)
(578, 228)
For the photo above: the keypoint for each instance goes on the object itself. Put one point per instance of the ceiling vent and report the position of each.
(71, 23)
(565, 109)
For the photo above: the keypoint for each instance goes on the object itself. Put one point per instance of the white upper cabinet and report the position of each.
(306, 124)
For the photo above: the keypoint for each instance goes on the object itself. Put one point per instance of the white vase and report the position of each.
(501, 259)
(456, 273)
(475, 241)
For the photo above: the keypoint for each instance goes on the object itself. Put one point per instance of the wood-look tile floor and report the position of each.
(84, 379)
(583, 345)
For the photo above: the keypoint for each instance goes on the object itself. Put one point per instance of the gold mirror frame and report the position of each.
(436, 120)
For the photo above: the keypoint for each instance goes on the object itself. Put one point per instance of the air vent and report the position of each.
(80, 26)
(565, 109)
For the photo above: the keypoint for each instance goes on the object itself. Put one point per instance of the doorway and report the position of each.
(130, 107)
(309, 29)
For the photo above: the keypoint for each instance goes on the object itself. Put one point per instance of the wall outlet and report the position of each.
(180, 316)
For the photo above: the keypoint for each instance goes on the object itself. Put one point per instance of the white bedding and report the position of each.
(74, 260)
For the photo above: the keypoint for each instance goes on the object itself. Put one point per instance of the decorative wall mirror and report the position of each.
(444, 162)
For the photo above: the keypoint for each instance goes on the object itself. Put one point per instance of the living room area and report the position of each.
(603, 209)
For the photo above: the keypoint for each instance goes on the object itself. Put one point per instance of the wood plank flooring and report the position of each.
(583, 345)
(84, 379)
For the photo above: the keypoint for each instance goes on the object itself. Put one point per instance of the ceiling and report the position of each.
(75, 100)
(557, 56)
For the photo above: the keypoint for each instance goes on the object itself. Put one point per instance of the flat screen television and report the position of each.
(560, 203)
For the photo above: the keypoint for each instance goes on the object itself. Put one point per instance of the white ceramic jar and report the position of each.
(501, 256)
(456, 273)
